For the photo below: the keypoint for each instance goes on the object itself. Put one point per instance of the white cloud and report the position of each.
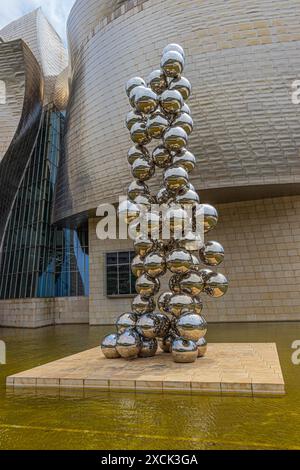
(57, 11)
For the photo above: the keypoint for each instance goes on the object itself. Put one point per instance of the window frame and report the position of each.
(117, 296)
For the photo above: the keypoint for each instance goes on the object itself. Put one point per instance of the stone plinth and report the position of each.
(228, 368)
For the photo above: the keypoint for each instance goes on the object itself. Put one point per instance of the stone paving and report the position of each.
(228, 369)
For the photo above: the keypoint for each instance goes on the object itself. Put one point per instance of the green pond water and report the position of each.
(48, 419)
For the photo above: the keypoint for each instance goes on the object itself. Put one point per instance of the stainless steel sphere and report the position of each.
(135, 152)
(174, 283)
(191, 242)
(162, 196)
(179, 261)
(163, 301)
(129, 344)
(175, 178)
(172, 63)
(165, 344)
(186, 109)
(146, 286)
(171, 101)
(139, 134)
(175, 139)
(176, 219)
(205, 273)
(174, 47)
(184, 350)
(191, 326)
(209, 215)
(180, 303)
(142, 169)
(157, 81)
(144, 201)
(148, 347)
(143, 245)
(133, 83)
(212, 254)
(186, 159)
(151, 325)
(184, 121)
(187, 198)
(161, 156)
(202, 347)
(141, 305)
(108, 346)
(192, 284)
(145, 100)
(128, 211)
(137, 266)
(182, 85)
(155, 264)
(152, 225)
(126, 320)
(216, 285)
(132, 118)
(157, 123)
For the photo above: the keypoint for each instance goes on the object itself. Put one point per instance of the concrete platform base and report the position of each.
(228, 368)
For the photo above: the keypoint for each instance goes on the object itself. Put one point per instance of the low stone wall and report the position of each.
(36, 313)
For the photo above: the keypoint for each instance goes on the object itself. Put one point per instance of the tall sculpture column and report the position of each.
(167, 227)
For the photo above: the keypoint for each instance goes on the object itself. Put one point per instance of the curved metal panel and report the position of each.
(241, 62)
(26, 80)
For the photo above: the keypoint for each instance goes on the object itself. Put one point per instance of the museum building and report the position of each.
(63, 152)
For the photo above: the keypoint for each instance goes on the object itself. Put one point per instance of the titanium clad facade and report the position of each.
(241, 61)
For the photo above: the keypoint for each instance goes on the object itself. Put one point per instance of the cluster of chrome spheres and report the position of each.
(160, 112)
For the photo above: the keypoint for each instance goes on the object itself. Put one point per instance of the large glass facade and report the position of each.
(38, 259)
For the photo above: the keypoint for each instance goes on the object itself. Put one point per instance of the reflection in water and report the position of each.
(92, 419)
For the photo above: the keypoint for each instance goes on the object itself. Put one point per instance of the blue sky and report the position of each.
(56, 11)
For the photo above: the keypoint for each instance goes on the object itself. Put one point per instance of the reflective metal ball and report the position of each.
(182, 85)
(148, 347)
(175, 139)
(210, 217)
(145, 100)
(180, 303)
(186, 159)
(172, 63)
(179, 261)
(108, 346)
(216, 285)
(212, 254)
(126, 320)
(192, 284)
(162, 196)
(161, 156)
(129, 344)
(133, 83)
(174, 47)
(184, 121)
(157, 81)
(186, 109)
(191, 326)
(143, 245)
(171, 101)
(128, 211)
(142, 169)
(144, 201)
(163, 302)
(191, 242)
(187, 198)
(146, 286)
(137, 266)
(132, 118)
(202, 347)
(139, 134)
(142, 305)
(157, 123)
(184, 351)
(152, 225)
(135, 152)
(175, 178)
(151, 325)
(155, 264)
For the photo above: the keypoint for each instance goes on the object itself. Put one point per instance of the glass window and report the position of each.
(119, 278)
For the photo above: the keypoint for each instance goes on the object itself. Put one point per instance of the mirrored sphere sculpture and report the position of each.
(184, 350)
(167, 225)
(108, 346)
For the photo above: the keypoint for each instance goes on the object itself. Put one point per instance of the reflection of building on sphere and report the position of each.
(178, 327)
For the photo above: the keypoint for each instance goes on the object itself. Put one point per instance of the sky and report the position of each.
(57, 11)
